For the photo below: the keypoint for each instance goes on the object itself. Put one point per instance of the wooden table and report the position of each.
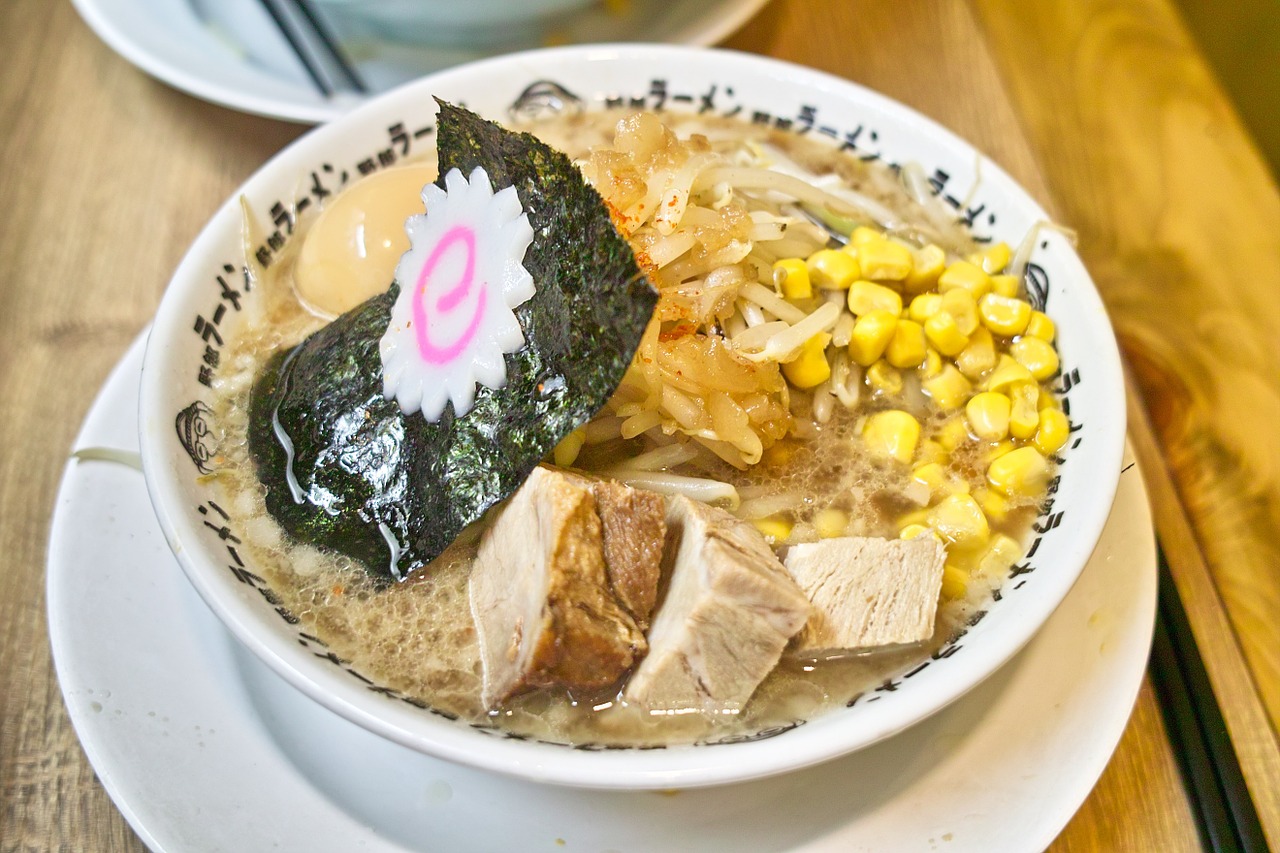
(1105, 111)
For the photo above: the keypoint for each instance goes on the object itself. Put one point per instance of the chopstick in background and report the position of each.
(1225, 813)
(331, 45)
(313, 42)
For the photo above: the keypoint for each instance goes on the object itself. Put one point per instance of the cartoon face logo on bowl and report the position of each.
(196, 432)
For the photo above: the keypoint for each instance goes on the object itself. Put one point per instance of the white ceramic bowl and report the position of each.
(199, 299)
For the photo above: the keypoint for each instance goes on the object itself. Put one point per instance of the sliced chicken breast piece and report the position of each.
(867, 592)
(728, 611)
(634, 526)
(544, 611)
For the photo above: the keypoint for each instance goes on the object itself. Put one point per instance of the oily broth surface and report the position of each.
(418, 638)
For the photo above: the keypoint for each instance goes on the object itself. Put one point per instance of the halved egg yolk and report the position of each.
(350, 253)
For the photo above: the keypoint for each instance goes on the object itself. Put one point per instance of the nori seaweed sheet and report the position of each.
(362, 466)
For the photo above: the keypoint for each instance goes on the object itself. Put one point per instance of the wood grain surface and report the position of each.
(1105, 111)
(1179, 223)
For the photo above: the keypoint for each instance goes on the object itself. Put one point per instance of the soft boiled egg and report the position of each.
(350, 253)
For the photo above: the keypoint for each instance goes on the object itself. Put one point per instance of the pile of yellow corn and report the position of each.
(982, 354)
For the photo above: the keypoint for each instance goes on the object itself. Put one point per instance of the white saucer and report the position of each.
(228, 51)
(205, 749)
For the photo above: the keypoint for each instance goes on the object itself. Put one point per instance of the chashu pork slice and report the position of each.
(867, 592)
(544, 612)
(634, 526)
(729, 609)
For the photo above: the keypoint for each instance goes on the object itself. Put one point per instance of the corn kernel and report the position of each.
(959, 520)
(925, 306)
(1002, 552)
(1006, 285)
(963, 275)
(944, 334)
(867, 296)
(911, 531)
(1047, 400)
(1040, 326)
(915, 518)
(566, 452)
(932, 474)
(979, 356)
(885, 378)
(997, 450)
(884, 259)
(1053, 431)
(926, 265)
(1007, 374)
(1003, 315)
(993, 259)
(932, 364)
(965, 558)
(810, 368)
(864, 234)
(994, 505)
(774, 528)
(1019, 473)
(907, 347)
(830, 523)
(792, 275)
(1036, 355)
(931, 451)
(871, 335)
(961, 305)
(955, 583)
(1024, 417)
(832, 269)
(892, 434)
(988, 415)
(949, 389)
(953, 434)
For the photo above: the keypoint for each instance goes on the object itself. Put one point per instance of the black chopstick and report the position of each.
(1225, 813)
(330, 44)
(304, 56)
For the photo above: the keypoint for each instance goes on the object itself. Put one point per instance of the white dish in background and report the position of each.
(229, 52)
(205, 749)
(448, 22)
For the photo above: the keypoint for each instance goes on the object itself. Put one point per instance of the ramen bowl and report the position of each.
(209, 296)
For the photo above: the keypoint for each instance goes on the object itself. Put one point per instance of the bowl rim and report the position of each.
(676, 766)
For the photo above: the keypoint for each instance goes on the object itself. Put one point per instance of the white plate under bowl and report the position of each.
(204, 749)
(230, 53)
(202, 307)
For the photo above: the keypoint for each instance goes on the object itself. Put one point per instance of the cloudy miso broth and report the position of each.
(803, 471)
